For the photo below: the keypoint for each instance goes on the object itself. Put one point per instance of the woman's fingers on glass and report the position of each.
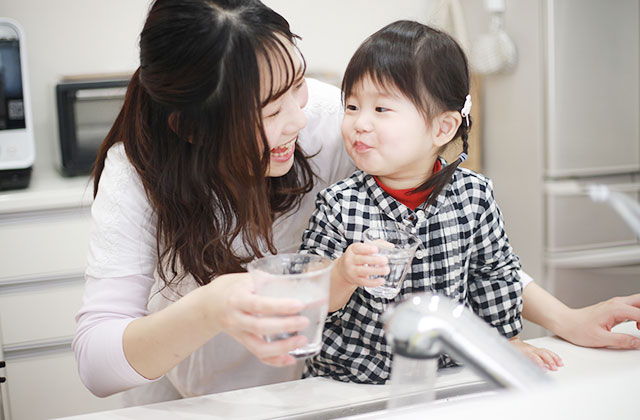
(276, 325)
(265, 305)
(275, 351)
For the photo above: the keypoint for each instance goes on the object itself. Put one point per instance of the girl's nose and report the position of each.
(362, 124)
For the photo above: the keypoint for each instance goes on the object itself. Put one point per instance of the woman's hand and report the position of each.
(248, 317)
(544, 358)
(591, 326)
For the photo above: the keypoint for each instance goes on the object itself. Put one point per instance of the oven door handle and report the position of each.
(600, 258)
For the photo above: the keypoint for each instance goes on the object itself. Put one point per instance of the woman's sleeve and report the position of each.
(109, 305)
(119, 278)
(495, 291)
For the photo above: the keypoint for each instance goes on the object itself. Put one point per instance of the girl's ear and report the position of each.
(445, 127)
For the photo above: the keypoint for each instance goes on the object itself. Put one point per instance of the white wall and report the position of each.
(332, 30)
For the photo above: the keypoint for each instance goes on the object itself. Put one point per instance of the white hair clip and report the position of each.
(462, 156)
(466, 109)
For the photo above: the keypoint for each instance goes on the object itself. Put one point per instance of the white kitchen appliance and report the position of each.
(17, 148)
(592, 138)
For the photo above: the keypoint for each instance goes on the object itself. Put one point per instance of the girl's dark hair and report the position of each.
(191, 126)
(424, 64)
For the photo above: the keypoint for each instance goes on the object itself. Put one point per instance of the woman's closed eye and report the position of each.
(273, 114)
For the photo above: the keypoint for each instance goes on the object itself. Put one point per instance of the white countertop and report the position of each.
(48, 190)
(585, 369)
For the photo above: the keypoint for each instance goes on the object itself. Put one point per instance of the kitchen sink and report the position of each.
(443, 395)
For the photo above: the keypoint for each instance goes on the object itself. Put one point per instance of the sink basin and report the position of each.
(362, 410)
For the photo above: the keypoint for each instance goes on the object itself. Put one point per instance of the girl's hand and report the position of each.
(544, 358)
(248, 317)
(358, 266)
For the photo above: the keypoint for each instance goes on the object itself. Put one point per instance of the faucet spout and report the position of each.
(427, 325)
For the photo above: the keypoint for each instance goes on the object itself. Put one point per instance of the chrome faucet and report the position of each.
(427, 325)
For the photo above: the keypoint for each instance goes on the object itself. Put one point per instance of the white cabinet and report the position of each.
(43, 244)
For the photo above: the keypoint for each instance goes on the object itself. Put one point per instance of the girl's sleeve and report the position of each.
(495, 290)
(119, 278)
(325, 233)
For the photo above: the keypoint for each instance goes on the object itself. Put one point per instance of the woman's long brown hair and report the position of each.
(191, 126)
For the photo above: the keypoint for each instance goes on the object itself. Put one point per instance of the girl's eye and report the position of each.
(381, 109)
(352, 108)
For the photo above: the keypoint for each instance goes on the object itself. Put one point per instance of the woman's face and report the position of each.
(283, 117)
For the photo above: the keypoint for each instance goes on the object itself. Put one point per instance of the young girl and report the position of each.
(406, 94)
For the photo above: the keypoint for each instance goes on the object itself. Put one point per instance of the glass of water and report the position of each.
(399, 247)
(304, 277)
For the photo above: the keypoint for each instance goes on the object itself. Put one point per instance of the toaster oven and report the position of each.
(87, 109)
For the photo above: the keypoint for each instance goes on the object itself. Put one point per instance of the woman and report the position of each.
(215, 159)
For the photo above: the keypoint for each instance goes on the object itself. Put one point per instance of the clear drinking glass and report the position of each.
(304, 277)
(399, 247)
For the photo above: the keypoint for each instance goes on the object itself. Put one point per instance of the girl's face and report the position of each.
(386, 136)
(283, 118)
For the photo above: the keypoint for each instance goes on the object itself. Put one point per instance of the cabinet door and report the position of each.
(45, 385)
(575, 222)
(39, 311)
(44, 243)
(595, 281)
(593, 87)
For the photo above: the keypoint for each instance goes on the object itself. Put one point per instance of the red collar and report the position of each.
(413, 201)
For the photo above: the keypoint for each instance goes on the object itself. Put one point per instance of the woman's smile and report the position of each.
(285, 152)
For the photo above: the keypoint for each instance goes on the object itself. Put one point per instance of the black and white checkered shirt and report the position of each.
(464, 253)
